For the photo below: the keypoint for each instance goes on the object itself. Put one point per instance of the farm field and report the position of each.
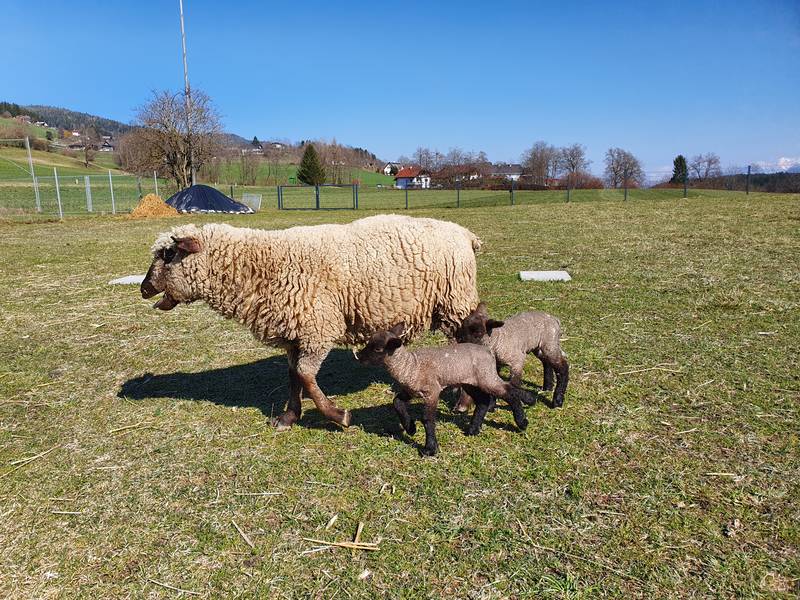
(671, 471)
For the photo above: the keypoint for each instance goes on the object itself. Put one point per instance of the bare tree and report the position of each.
(90, 141)
(162, 143)
(623, 169)
(573, 159)
(541, 162)
(705, 165)
(248, 168)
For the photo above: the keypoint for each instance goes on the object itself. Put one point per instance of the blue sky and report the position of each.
(656, 79)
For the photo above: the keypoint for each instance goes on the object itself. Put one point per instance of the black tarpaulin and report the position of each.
(205, 199)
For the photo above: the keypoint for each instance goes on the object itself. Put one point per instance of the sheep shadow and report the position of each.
(263, 384)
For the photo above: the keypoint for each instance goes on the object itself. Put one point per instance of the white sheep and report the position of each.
(307, 289)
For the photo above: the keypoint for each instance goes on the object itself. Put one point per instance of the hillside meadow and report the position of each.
(137, 459)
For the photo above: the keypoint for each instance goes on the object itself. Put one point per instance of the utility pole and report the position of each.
(187, 95)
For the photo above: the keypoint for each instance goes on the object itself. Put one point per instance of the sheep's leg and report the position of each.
(549, 374)
(514, 396)
(429, 421)
(293, 407)
(464, 402)
(307, 368)
(562, 378)
(401, 401)
(482, 403)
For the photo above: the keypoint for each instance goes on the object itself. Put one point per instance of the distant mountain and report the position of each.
(71, 119)
(232, 140)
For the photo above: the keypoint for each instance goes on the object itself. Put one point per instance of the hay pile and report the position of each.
(153, 206)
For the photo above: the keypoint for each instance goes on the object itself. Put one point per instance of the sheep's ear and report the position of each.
(398, 329)
(491, 324)
(189, 245)
(393, 344)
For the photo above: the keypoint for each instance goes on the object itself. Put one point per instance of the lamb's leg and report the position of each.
(293, 407)
(401, 401)
(562, 378)
(549, 374)
(431, 398)
(307, 368)
(514, 396)
(482, 402)
(463, 403)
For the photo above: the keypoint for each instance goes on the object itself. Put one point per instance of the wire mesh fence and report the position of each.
(58, 196)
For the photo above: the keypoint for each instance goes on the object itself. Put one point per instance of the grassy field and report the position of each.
(133, 443)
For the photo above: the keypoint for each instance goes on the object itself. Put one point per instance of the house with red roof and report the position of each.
(412, 177)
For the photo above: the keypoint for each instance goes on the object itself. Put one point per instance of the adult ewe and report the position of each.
(307, 289)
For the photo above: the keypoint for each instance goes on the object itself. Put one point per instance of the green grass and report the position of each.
(671, 471)
(287, 174)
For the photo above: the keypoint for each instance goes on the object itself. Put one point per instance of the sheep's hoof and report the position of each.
(429, 451)
(346, 419)
(558, 402)
(461, 407)
(279, 425)
(522, 424)
(411, 429)
(473, 431)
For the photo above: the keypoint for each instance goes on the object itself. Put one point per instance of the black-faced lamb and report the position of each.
(306, 289)
(511, 340)
(426, 372)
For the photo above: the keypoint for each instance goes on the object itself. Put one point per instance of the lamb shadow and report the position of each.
(263, 384)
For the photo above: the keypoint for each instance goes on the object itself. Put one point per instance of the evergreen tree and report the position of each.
(678, 169)
(255, 141)
(311, 171)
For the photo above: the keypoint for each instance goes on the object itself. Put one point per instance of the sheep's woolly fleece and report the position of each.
(318, 286)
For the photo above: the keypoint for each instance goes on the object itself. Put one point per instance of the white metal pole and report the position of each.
(58, 195)
(88, 193)
(33, 175)
(155, 182)
(188, 95)
(111, 187)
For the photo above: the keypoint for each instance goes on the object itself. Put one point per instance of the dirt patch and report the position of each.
(152, 206)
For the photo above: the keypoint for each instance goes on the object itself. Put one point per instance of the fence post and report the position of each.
(686, 184)
(139, 186)
(58, 195)
(111, 187)
(458, 194)
(155, 182)
(279, 198)
(88, 185)
(406, 196)
(33, 175)
(512, 192)
(356, 196)
(747, 188)
(316, 195)
(626, 191)
(232, 192)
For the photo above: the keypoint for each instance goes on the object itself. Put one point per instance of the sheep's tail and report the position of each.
(476, 242)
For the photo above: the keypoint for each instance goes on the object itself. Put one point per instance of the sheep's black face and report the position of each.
(379, 346)
(164, 276)
(476, 326)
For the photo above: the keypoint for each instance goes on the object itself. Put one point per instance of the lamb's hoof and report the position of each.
(472, 431)
(558, 402)
(279, 425)
(460, 408)
(412, 428)
(522, 424)
(346, 419)
(428, 451)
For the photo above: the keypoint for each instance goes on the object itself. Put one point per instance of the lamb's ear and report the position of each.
(190, 245)
(398, 329)
(393, 344)
(491, 324)
(481, 309)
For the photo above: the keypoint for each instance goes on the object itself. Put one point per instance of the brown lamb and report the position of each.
(428, 371)
(511, 340)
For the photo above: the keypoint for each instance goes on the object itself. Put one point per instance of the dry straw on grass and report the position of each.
(152, 206)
